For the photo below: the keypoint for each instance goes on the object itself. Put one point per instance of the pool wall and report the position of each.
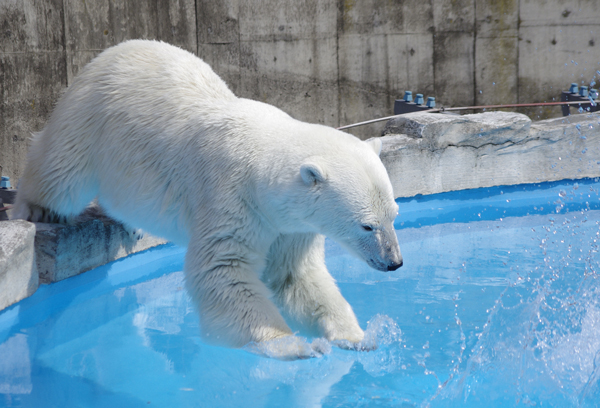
(424, 153)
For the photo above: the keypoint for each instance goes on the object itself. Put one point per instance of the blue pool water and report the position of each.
(498, 303)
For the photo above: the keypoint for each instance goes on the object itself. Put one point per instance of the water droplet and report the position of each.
(584, 150)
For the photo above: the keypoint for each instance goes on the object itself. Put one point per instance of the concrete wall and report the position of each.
(328, 61)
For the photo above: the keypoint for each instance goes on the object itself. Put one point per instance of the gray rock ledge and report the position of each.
(94, 239)
(427, 153)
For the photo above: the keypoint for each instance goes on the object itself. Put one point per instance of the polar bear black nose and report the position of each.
(395, 266)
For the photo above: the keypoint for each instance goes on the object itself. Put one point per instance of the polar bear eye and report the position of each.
(367, 227)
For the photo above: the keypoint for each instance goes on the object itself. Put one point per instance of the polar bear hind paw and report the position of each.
(36, 213)
(134, 233)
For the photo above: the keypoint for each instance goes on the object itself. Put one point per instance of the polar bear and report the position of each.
(152, 133)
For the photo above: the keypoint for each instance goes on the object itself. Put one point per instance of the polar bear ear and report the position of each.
(375, 144)
(312, 173)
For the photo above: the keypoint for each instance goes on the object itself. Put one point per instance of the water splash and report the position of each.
(542, 345)
(382, 331)
(383, 338)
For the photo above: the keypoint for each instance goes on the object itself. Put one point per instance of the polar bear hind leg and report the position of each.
(54, 187)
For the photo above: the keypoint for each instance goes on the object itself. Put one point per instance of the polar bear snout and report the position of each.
(385, 266)
(395, 265)
(386, 250)
(394, 260)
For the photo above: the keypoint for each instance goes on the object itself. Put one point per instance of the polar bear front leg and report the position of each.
(234, 305)
(305, 290)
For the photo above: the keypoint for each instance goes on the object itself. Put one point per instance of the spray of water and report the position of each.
(541, 341)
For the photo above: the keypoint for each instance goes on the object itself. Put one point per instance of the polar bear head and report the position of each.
(350, 200)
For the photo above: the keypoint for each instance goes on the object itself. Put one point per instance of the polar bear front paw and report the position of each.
(340, 328)
(360, 346)
(289, 348)
(346, 334)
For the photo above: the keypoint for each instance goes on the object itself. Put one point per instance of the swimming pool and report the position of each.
(498, 302)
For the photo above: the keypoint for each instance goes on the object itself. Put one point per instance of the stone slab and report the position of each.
(439, 153)
(18, 273)
(440, 131)
(93, 240)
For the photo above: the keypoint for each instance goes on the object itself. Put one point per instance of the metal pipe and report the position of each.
(442, 109)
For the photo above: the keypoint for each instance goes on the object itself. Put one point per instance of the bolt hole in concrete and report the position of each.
(498, 303)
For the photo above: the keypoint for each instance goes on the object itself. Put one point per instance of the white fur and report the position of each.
(164, 145)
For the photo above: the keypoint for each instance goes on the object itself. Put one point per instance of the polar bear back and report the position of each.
(120, 129)
(158, 68)
(162, 142)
